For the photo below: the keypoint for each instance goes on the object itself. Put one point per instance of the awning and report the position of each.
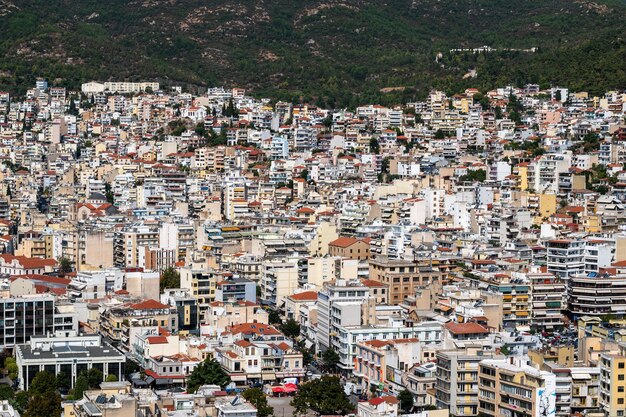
(269, 377)
(580, 376)
(239, 378)
(276, 390)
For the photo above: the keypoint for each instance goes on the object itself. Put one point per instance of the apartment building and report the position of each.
(33, 315)
(565, 257)
(403, 277)
(596, 295)
(547, 293)
(341, 305)
(512, 387)
(613, 384)
(457, 379)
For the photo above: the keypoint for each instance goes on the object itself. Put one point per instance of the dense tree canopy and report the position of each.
(209, 372)
(324, 396)
(258, 399)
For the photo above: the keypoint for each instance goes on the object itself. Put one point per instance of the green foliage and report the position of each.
(130, 367)
(94, 378)
(290, 328)
(111, 378)
(479, 175)
(63, 380)
(6, 393)
(406, 400)
(439, 134)
(374, 146)
(257, 398)
(209, 372)
(11, 366)
(274, 316)
(65, 265)
(80, 386)
(21, 401)
(330, 357)
(43, 383)
(48, 405)
(170, 278)
(43, 398)
(324, 396)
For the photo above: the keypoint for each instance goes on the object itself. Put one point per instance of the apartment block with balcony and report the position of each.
(547, 301)
(511, 387)
(457, 379)
(597, 295)
(565, 257)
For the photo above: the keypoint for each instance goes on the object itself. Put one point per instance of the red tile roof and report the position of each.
(466, 328)
(304, 296)
(149, 305)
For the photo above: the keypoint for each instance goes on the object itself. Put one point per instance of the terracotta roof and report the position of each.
(304, 296)
(372, 283)
(254, 328)
(465, 328)
(387, 399)
(157, 340)
(149, 305)
(344, 242)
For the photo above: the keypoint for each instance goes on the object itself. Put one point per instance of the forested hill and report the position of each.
(335, 51)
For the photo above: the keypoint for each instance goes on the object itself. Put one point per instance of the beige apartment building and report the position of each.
(402, 277)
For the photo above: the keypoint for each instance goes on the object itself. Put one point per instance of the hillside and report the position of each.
(335, 51)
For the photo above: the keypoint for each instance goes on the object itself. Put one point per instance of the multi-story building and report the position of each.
(122, 323)
(613, 384)
(596, 295)
(511, 387)
(340, 305)
(547, 293)
(33, 315)
(279, 279)
(565, 257)
(457, 379)
(403, 277)
(67, 353)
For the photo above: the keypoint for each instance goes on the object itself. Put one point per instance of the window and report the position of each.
(620, 365)
(620, 401)
(620, 389)
(620, 377)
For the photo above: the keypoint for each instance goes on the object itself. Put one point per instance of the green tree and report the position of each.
(108, 193)
(170, 278)
(274, 316)
(64, 380)
(11, 366)
(65, 265)
(43, 383)
(209, 372)
(406, 401)
(304, 174)
(48, 405)
(439, 134)
(111, 378)
(257, 398)
(324, 396)
(94, 378)
(374, 146)
(130, 367)
(290, 328)
(20, 402)
(330, 357)
(6, 393)
(81, 385)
